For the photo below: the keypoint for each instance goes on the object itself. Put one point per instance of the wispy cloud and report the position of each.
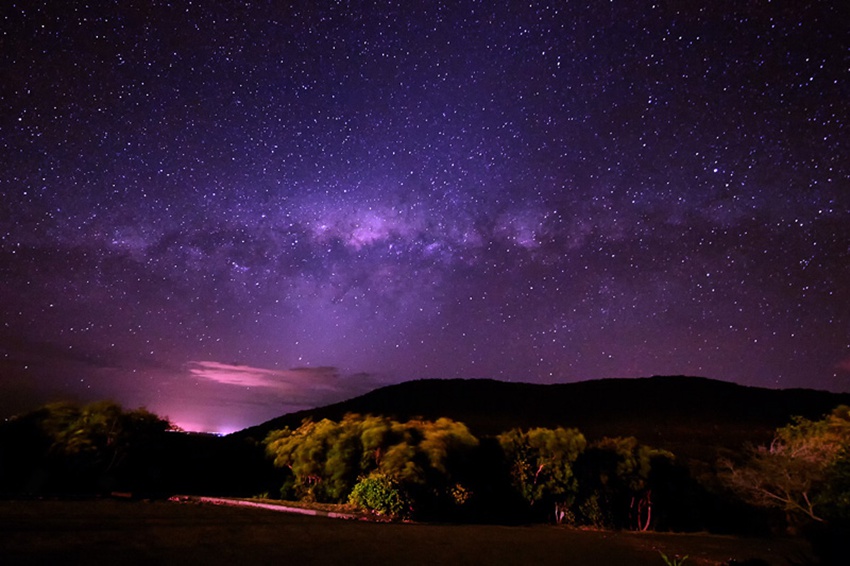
(288, 380)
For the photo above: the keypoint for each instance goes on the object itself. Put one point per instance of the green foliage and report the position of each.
(674, 561)
(323, 458)
(591, 512)
(804, 471)
(835, 497)
(101, 432)
(327, 458)
(632, 461)
(424, 451)
(94, 447)
(540, 462)
(620, 472)
(380, 494)
(370, 461)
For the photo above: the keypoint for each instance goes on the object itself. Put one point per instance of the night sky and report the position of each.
(229, 213)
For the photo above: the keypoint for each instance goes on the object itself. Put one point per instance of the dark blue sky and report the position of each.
(227, 213)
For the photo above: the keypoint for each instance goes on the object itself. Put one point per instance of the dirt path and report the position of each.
(279, 507)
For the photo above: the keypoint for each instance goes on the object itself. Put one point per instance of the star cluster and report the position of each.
(229, 212)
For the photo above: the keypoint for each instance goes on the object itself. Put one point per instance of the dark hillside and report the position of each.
(691, 416)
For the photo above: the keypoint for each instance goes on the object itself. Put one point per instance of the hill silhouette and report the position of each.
(696, 418)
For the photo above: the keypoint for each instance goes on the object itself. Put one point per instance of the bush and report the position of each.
(592, 513)
(381, 495)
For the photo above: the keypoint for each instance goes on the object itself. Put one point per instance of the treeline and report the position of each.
(65, 447)
(100, 448)
(440, 470)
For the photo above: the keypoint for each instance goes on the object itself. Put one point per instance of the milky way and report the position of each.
(229, 213)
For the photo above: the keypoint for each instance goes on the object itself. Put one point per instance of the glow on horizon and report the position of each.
(203, 428)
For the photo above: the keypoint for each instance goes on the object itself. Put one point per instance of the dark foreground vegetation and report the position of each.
(136, 532)
(750, 469)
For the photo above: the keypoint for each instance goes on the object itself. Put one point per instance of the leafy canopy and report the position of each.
(541, 461)
(805, 470)
(328, 458)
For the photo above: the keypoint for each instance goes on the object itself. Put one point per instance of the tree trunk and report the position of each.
(642, 509)
(647, 505)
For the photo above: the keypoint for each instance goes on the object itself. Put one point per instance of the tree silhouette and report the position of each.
(94, 447)
(617, 473)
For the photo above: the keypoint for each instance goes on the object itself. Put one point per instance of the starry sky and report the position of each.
(229, 211)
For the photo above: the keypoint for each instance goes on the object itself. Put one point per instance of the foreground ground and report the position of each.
(132, 532)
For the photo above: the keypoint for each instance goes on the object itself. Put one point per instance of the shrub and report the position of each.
(381, 495)
(592, 513)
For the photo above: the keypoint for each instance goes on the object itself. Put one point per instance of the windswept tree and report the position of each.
(103, 430)
(327, 459)
(422, 464)
(90, 447)
(805, 471)
(323, 457)
(422, 451)
(541, 462)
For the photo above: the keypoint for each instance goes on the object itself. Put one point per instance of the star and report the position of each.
(540, 193)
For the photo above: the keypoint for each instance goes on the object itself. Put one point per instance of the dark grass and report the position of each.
(136, 532)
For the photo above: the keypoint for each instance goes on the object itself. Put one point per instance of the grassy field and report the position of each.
(133, 532)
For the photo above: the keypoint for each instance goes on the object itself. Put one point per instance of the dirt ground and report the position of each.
(137, 532)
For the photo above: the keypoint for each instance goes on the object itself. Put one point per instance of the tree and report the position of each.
(804, 471)
(836, 494)
(618, 471)
(90, 447)
(102, 430)
(428, 461)
(425, 451)
(323, 458)
(540, 462)
(327, 459)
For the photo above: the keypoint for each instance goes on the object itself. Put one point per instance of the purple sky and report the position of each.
(226, 214)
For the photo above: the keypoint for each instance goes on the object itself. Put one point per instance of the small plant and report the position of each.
(675, 561)
(459, 494)
(381, 495)
(592, 513)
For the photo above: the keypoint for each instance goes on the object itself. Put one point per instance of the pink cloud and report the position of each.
(295, 380)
